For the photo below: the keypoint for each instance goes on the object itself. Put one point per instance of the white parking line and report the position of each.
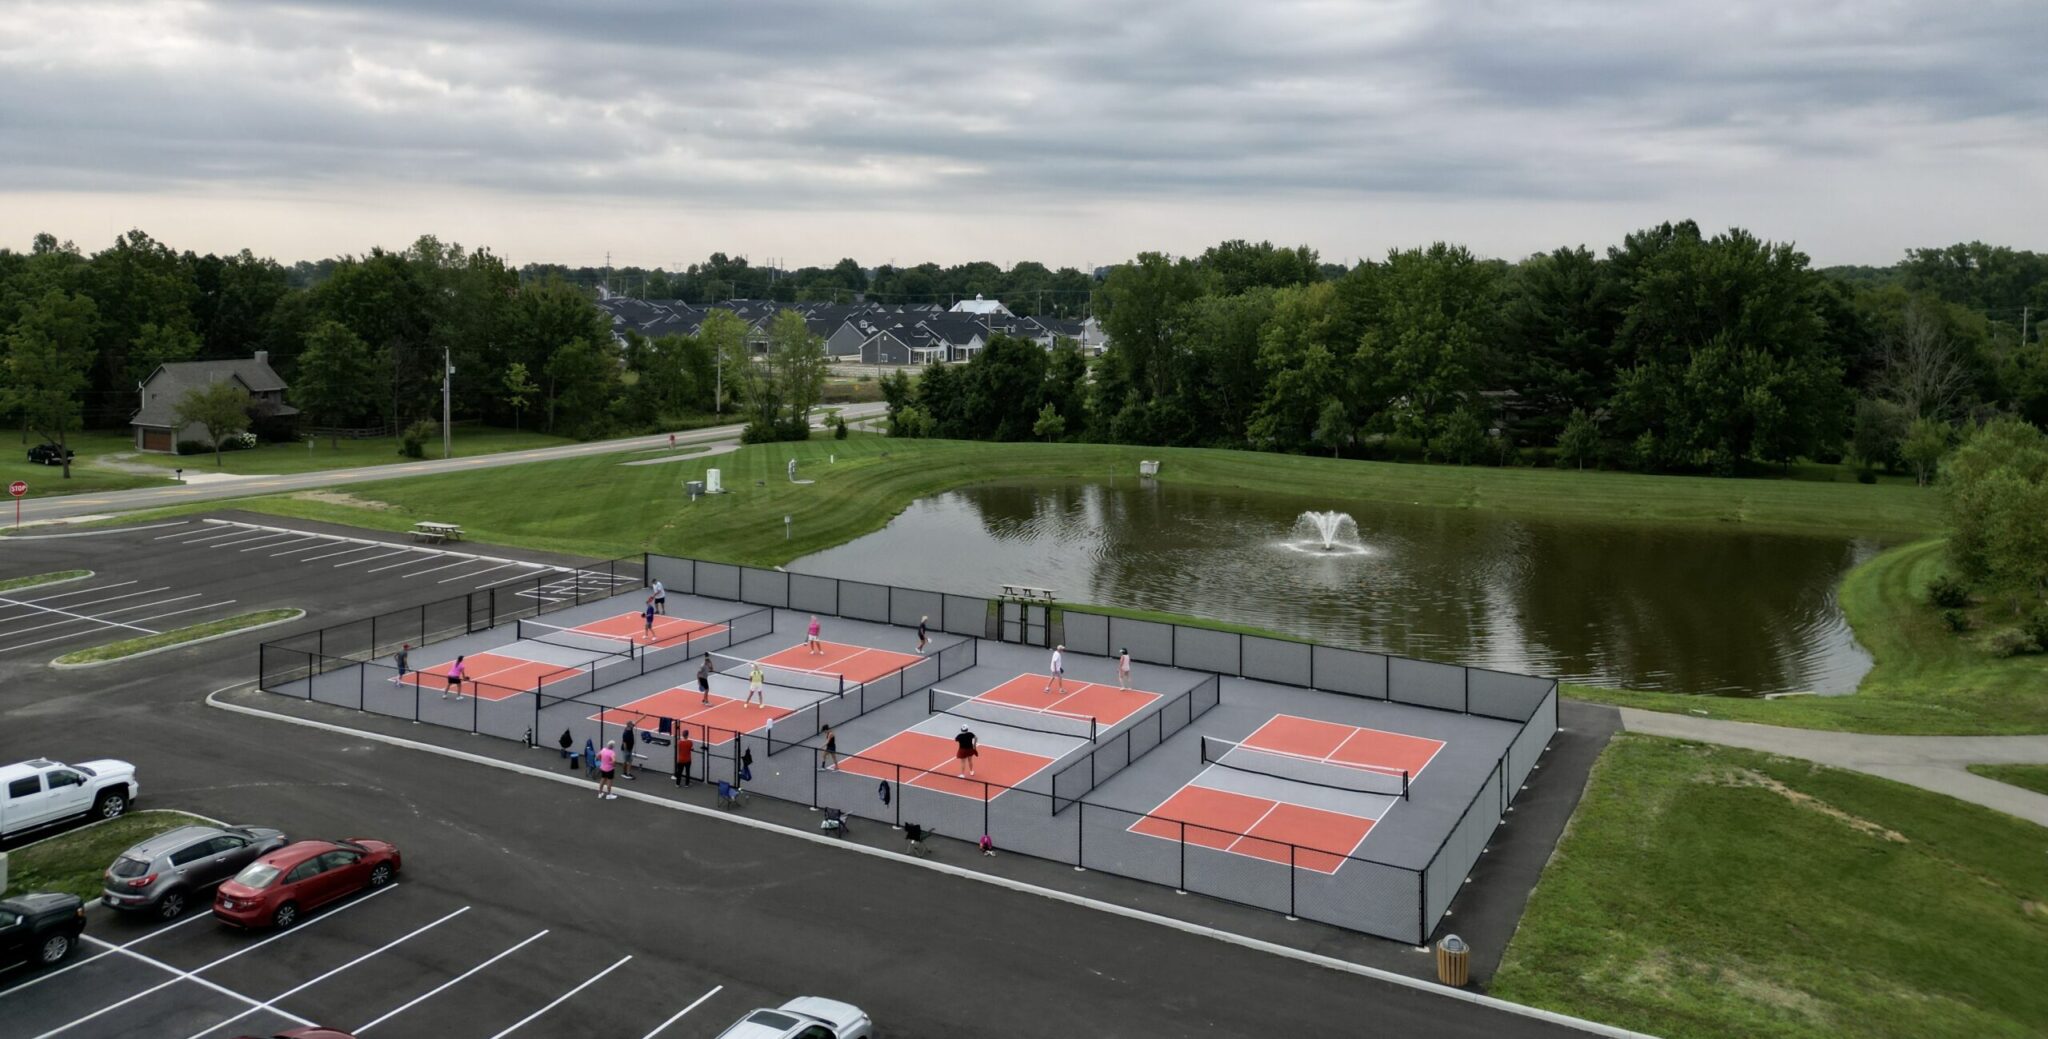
(213, 537)
(318, 543)
(81, 591)
(91, 631)
(260, 536)
(183, 975)
(715, 990)
(478, 573)
(402, 562)
(558, 999)
(281, 544)
(372, 559)
(530, 570)
(436, 990)
(351, 550)
(271, 1003)
(81, 616)
(101, 616)
(459, 562)
(40, 978)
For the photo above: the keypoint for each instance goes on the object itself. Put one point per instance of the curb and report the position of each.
(387, 544)
(118, 818)
(9, 593)
(86, 533)
(299, 616)
(1254, 944)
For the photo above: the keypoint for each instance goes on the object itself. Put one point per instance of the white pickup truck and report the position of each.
(34, 794)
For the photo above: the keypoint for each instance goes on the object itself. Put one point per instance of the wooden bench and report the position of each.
(436, 532)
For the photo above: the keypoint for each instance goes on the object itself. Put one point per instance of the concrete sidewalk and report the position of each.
(1936, 763)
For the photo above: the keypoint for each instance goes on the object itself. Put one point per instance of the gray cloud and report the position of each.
(953, 108)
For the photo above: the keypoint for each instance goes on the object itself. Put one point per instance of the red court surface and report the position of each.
(1264, 827)
(1107, 704)
(489, 676)
(712, 725)
(857, 663)
(1344, 744)
(1241, 821)
(928, 762)
(668, 630)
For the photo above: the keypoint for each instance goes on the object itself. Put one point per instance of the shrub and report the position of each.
(1948, 593)
(1866, 476)
(2036, 627)
(413, 442)
(1956, 620)
(194, 447)
(2010, 642)
(839, 428)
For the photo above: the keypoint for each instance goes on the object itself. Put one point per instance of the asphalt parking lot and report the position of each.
(400, 961)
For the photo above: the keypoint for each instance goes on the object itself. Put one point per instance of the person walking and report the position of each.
(647, 619)
(829, 760)
(1059, 670)
(967, 751)
(456, 672)
(704, 680)
(660, 598)
(1123, 668)
(404, 661)
(686, 748)
(626, 742)
(812, 642)
(607, 760)
(755, 680)
(924, 634)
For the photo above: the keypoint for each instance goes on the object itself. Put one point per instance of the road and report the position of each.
(72, 506)
(695, 900)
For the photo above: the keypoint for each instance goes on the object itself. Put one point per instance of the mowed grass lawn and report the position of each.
(296, 457)
(87, 474)
(1925, 679)
(73, 861)
(2026, 777)
(1704, 892)
(596, 506)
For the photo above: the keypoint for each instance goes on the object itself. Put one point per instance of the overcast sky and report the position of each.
(1069, 132)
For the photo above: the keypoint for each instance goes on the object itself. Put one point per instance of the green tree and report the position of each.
(517, 389)
(1302, 372)
(1005, 387)
(1878, 431)
(1426, 347)
(1925, 442)
(1333, 426)
(157, 345)
(1051, 425)
(1996, 488)
(899, 394)
(338, 380)
(1460, 436)
(49, 353)
(1580, 439)
(1557, 336)
(723, 335)
(221, 408)
(796, 358)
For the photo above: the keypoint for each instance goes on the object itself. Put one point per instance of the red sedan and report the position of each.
(284, 885)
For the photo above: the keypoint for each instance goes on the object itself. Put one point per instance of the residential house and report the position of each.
(155, 423)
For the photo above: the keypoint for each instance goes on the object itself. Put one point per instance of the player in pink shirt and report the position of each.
(456, 673)
(816, 645)
(607, 759)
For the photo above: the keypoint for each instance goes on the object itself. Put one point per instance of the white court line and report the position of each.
(270, 1004)
(558, 999)
(73, 966)
(351, 550)
(371, 559)
(1271, 807)
(436, 990)
(183, 975)
(478, 573)
(459, 562)
(715, 990)
(81, 616)
(281, 544)
(404, 562)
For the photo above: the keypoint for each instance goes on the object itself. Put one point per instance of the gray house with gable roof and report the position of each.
(155, 423)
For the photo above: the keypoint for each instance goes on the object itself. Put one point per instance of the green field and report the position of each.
(177, 636)
(1704, 892)
(2026, 777)
(595, 506)
(73, 861)
(285, 459)
(88, 474)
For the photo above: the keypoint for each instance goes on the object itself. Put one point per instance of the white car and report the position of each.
(805, 1017)
(37, 793)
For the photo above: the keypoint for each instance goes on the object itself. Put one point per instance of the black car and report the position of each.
(40, 928)
(50, 454)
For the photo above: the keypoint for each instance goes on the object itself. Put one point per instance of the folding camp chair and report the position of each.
(915, 835)
(729, 795)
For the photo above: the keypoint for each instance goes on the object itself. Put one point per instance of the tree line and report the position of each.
(1671, 351)
(1027, 287)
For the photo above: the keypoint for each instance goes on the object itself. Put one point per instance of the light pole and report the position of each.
(447, 378)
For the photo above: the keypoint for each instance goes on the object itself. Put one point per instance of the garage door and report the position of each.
(156, 440)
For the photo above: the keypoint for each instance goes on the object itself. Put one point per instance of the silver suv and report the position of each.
(172, 871)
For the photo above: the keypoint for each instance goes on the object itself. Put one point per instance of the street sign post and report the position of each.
(17, 489)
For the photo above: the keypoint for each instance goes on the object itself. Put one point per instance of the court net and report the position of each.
(831, 683)
(1298, 768)
(1037, 719)
(571, 638)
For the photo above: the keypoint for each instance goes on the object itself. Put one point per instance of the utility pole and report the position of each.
(447, 378)
(2025, 313)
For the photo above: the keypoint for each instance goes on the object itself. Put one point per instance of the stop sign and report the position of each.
(18, 488)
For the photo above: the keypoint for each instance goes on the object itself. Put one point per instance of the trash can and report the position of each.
(1453, 962)
(695, 488)
(1148, 468)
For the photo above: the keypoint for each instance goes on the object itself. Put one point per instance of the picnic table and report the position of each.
(426, 530)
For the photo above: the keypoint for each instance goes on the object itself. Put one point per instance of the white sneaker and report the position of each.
(611, 797)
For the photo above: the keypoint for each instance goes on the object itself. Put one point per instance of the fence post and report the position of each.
(1468, 690)
(373, 636)
(984, 807)
(1422, 904)
(1291, 849)
(1182, 887)
(1081, 832)
(415, 698)
(1387, 676)
(476, 700)
(423, 624)
(320, 642)
(361, 679)
(898, 799)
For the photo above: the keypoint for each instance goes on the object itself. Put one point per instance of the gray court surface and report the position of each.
(1086, 803)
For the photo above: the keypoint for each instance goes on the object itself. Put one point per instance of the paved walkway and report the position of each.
(1934, 763)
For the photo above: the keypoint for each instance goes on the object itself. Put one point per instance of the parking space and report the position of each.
(459, 569)
(46, 617)
(398, 961)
